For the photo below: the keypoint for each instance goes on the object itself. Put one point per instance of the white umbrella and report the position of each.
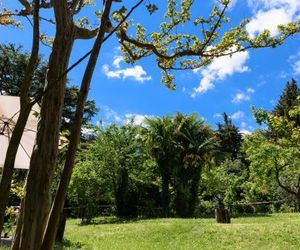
(9, 113)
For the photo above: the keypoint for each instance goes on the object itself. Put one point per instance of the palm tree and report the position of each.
(158, 136)
(194, 142)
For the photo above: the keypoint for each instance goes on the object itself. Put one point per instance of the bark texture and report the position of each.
(222, 215)
(43, 161)
(58, 204)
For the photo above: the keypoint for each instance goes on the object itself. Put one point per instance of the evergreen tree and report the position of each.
(287, 101)
(230, 138)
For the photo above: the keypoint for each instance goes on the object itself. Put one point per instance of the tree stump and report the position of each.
(222, 215)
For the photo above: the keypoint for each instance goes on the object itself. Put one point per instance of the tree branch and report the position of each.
(33, 57)
(151, 47)
(26, 4)
(277, 175)
(40, 95)
(76, 6)
(212, 32)
(82, 33)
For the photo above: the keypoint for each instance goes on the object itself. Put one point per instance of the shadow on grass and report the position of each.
(67, 244)
(118, 220)
(111, 220)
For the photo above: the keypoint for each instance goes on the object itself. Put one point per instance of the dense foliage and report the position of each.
(177, 165)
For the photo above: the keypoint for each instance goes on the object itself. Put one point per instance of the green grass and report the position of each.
(277, 231)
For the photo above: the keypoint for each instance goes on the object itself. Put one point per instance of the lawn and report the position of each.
(277, 231)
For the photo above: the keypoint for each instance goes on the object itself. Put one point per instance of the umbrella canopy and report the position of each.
(9, 113)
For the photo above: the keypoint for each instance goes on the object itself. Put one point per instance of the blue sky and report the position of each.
(230, 85)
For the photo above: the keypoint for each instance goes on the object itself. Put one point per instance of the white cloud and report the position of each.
(268, 20)
(250, 90)
(268, 4)
(268, 14)
(117, 61)
(245, 132)
(137, 119)
(219, 69)
(111, 116)
(136, 73)
(237, 115)
(239, 97)
(243, 96)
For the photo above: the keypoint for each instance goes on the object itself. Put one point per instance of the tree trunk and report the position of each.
(298, 202)
(43, 161)
(165, 194)
(58, 204)
(194, 191)
(61, 227)
(182, 197)
(122, 193)
(222, 215)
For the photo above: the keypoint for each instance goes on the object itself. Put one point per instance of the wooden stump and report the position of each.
(222, 215)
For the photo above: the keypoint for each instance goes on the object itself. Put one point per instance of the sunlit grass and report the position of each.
(278, 231)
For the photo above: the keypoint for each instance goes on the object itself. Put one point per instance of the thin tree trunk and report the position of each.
(25, 108)
(194, 189)
(61, 227)
(298, 202)
(165, 195)
(43, 161)
(58, 204)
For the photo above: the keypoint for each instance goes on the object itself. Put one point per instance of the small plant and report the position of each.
(11, 214)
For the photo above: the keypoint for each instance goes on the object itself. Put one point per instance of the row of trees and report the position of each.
(158, 165)
(181, 166)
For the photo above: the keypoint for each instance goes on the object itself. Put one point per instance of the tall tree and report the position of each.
(288, 100)
(13, 64)
(159, 137)
(58, 204)
(193, 142)
(277, 156)
(36, 205)
(230, 138)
